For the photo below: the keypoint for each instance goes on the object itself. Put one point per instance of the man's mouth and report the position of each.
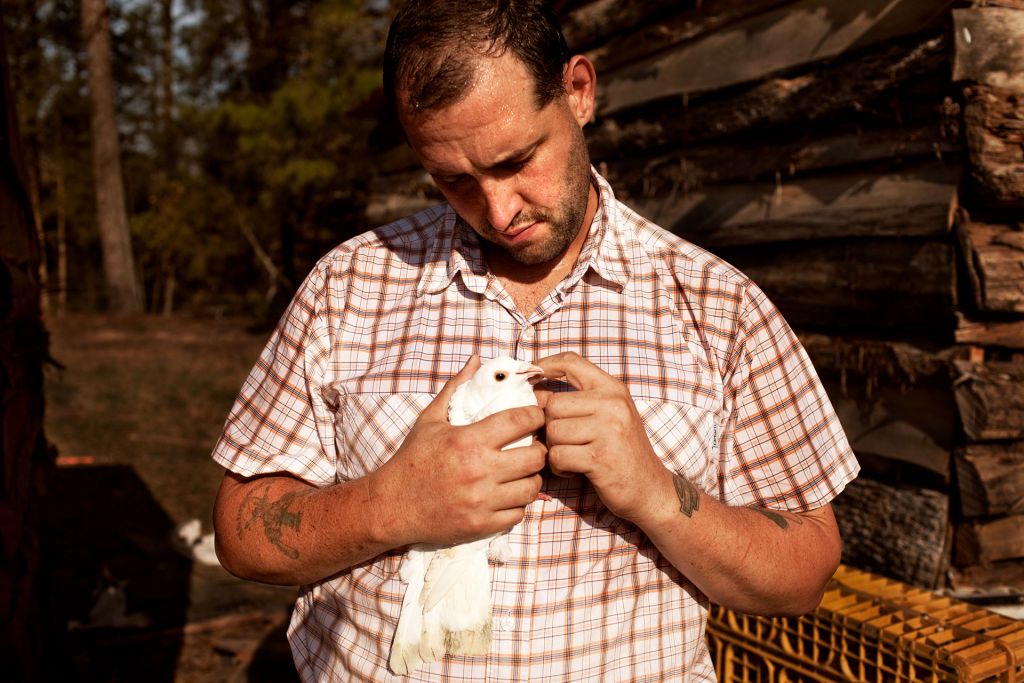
(521, 233)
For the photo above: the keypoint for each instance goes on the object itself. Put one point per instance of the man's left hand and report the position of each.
(597, 431)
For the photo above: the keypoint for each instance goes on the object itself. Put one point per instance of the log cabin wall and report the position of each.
(862, 162)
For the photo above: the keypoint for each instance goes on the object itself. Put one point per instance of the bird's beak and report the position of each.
(533, 373)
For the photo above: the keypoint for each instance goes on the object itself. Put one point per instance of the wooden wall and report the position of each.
(863, 163)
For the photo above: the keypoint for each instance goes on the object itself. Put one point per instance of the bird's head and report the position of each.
(503, 373)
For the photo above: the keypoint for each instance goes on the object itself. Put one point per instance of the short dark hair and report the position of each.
(433, 44)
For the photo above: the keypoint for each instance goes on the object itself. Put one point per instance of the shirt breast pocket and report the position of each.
(371, 427)
(685, 438)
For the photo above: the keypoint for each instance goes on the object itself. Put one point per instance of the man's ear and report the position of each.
(581, 87)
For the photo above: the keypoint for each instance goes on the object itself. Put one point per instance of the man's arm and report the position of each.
(752, 560)
(444, 485)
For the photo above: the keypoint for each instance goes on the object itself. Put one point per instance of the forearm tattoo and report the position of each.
(273, 515)
(776, 517)
(689, 495)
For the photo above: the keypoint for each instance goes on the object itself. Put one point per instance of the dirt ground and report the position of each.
(134, 414)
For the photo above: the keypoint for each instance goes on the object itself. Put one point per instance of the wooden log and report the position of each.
(984, 542)
(989, 47)
(901, 532)
(1005, 334)
(990, 399)
(858, 285)
(844, 85)
(596, 21)
(1006, 577)
(773, 42)
(663, 32)
(994, 263)
(779, 158)
(994, 121)
(877, 362)
(990, 478)
(903, 427)
(913, 202)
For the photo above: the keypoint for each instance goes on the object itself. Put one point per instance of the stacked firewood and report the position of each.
(989, 385)
(860, 162)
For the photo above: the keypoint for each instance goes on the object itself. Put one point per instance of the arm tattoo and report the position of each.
(274, 516)
(689, 495)
(776, 517)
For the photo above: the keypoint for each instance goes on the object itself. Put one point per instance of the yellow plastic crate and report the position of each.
(873, 629)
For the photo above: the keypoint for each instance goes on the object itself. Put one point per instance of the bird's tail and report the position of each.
(405, 646)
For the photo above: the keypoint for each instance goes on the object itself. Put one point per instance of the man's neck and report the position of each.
(529, 284)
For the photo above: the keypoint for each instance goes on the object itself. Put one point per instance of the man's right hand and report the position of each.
(450, 484)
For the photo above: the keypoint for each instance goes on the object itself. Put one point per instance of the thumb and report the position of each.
(438, 408)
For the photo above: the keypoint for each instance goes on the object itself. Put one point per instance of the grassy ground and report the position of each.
(134, 415)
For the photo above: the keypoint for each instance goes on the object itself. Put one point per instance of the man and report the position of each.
(692, 454)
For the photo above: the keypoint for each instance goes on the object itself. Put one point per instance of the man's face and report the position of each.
(519, 176)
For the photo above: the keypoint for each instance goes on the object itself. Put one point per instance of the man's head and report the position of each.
(433, 47)
(494, 107)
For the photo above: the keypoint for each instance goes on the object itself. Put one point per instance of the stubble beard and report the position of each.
(566, 225)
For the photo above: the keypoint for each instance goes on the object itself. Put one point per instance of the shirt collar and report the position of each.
(456, 249)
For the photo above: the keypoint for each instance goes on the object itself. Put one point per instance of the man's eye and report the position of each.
(500, 376)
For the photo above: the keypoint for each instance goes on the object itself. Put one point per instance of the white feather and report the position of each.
(447, 605)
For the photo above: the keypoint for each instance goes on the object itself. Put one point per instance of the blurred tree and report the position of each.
(244, 157)
(118, 261)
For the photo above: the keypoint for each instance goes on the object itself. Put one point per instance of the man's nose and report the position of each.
(502, 202)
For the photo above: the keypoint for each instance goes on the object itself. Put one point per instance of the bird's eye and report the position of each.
(500, 376)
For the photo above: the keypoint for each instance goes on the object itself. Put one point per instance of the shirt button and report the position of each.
(527, 333)
(506, 623)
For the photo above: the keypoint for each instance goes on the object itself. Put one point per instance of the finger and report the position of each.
(570, 404)
(572, 431)
(566, 460)
(519, 463)
(518, 493)
(577, 370)
(506, 426)
(438, 408)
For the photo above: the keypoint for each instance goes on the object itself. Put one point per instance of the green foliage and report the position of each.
(257, 154)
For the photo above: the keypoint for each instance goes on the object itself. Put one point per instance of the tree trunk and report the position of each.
(112, 218)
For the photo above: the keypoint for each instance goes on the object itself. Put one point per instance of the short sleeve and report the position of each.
(782, 445)
(280, 422)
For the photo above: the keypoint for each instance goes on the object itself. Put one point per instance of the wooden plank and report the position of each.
(780, 157)
(901, 532)
(989, 47)
(994, 122)
(1006, 334)
(801, 33)
(994, 256)
(843, 85)
(903, 426)
(913, 202)
(856, 285)
(990, 399)
(660, 33)
(990, 478)
(984, 542)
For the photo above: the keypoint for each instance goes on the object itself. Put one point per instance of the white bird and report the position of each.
(447, 603)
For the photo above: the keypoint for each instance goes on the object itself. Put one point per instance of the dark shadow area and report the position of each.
(115, 575)
(272, 662)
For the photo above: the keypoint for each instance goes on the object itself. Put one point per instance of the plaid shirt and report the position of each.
(727, 394)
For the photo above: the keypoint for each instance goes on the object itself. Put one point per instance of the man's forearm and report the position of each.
(277, 529)
(749, 559)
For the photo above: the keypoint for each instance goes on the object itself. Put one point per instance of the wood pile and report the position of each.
(863, 163)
